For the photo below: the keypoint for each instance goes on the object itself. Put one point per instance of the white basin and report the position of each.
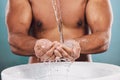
(63, 71)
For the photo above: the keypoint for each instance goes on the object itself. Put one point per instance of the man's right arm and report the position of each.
(18, 19)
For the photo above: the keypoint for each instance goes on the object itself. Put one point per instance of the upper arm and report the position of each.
(99, 15)
(18, 16)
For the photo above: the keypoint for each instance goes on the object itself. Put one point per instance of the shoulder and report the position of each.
(18, 1)
(15, 4)
(99, 1)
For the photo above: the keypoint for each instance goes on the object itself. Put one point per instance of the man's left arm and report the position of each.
(99, 19)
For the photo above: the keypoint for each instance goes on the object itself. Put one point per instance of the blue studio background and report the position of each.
(112, 56)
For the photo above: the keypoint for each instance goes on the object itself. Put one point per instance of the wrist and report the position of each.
(36, 47)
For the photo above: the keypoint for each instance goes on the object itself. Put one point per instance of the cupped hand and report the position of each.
(44, 49)
(70, 50)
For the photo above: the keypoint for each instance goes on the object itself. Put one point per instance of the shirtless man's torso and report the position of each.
(35, 19)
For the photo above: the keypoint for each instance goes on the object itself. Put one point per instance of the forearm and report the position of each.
(22, 44)
(94, 43)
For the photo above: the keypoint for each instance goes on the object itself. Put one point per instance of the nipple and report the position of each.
(79, 23)
(39, 24)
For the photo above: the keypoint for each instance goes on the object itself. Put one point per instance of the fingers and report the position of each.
(76, 51)
(57, 54)
(51, 59)
(41, 47)
(68, 50)
(51, 46)
(40, 50)
(64, 54)
(48, 54)
(56, 50)
(72, 52)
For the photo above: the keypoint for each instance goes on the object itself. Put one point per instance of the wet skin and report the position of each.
(44, 23)
(36, 20)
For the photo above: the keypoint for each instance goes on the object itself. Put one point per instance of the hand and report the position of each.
(57, 54)
(44, 50)
(70, 50)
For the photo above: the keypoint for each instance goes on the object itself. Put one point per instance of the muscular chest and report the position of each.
(72, 11)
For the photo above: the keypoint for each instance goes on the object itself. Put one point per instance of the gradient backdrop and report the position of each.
(112, 56)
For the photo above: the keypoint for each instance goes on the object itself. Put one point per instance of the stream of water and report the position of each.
(58, 15)
(53, 69)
